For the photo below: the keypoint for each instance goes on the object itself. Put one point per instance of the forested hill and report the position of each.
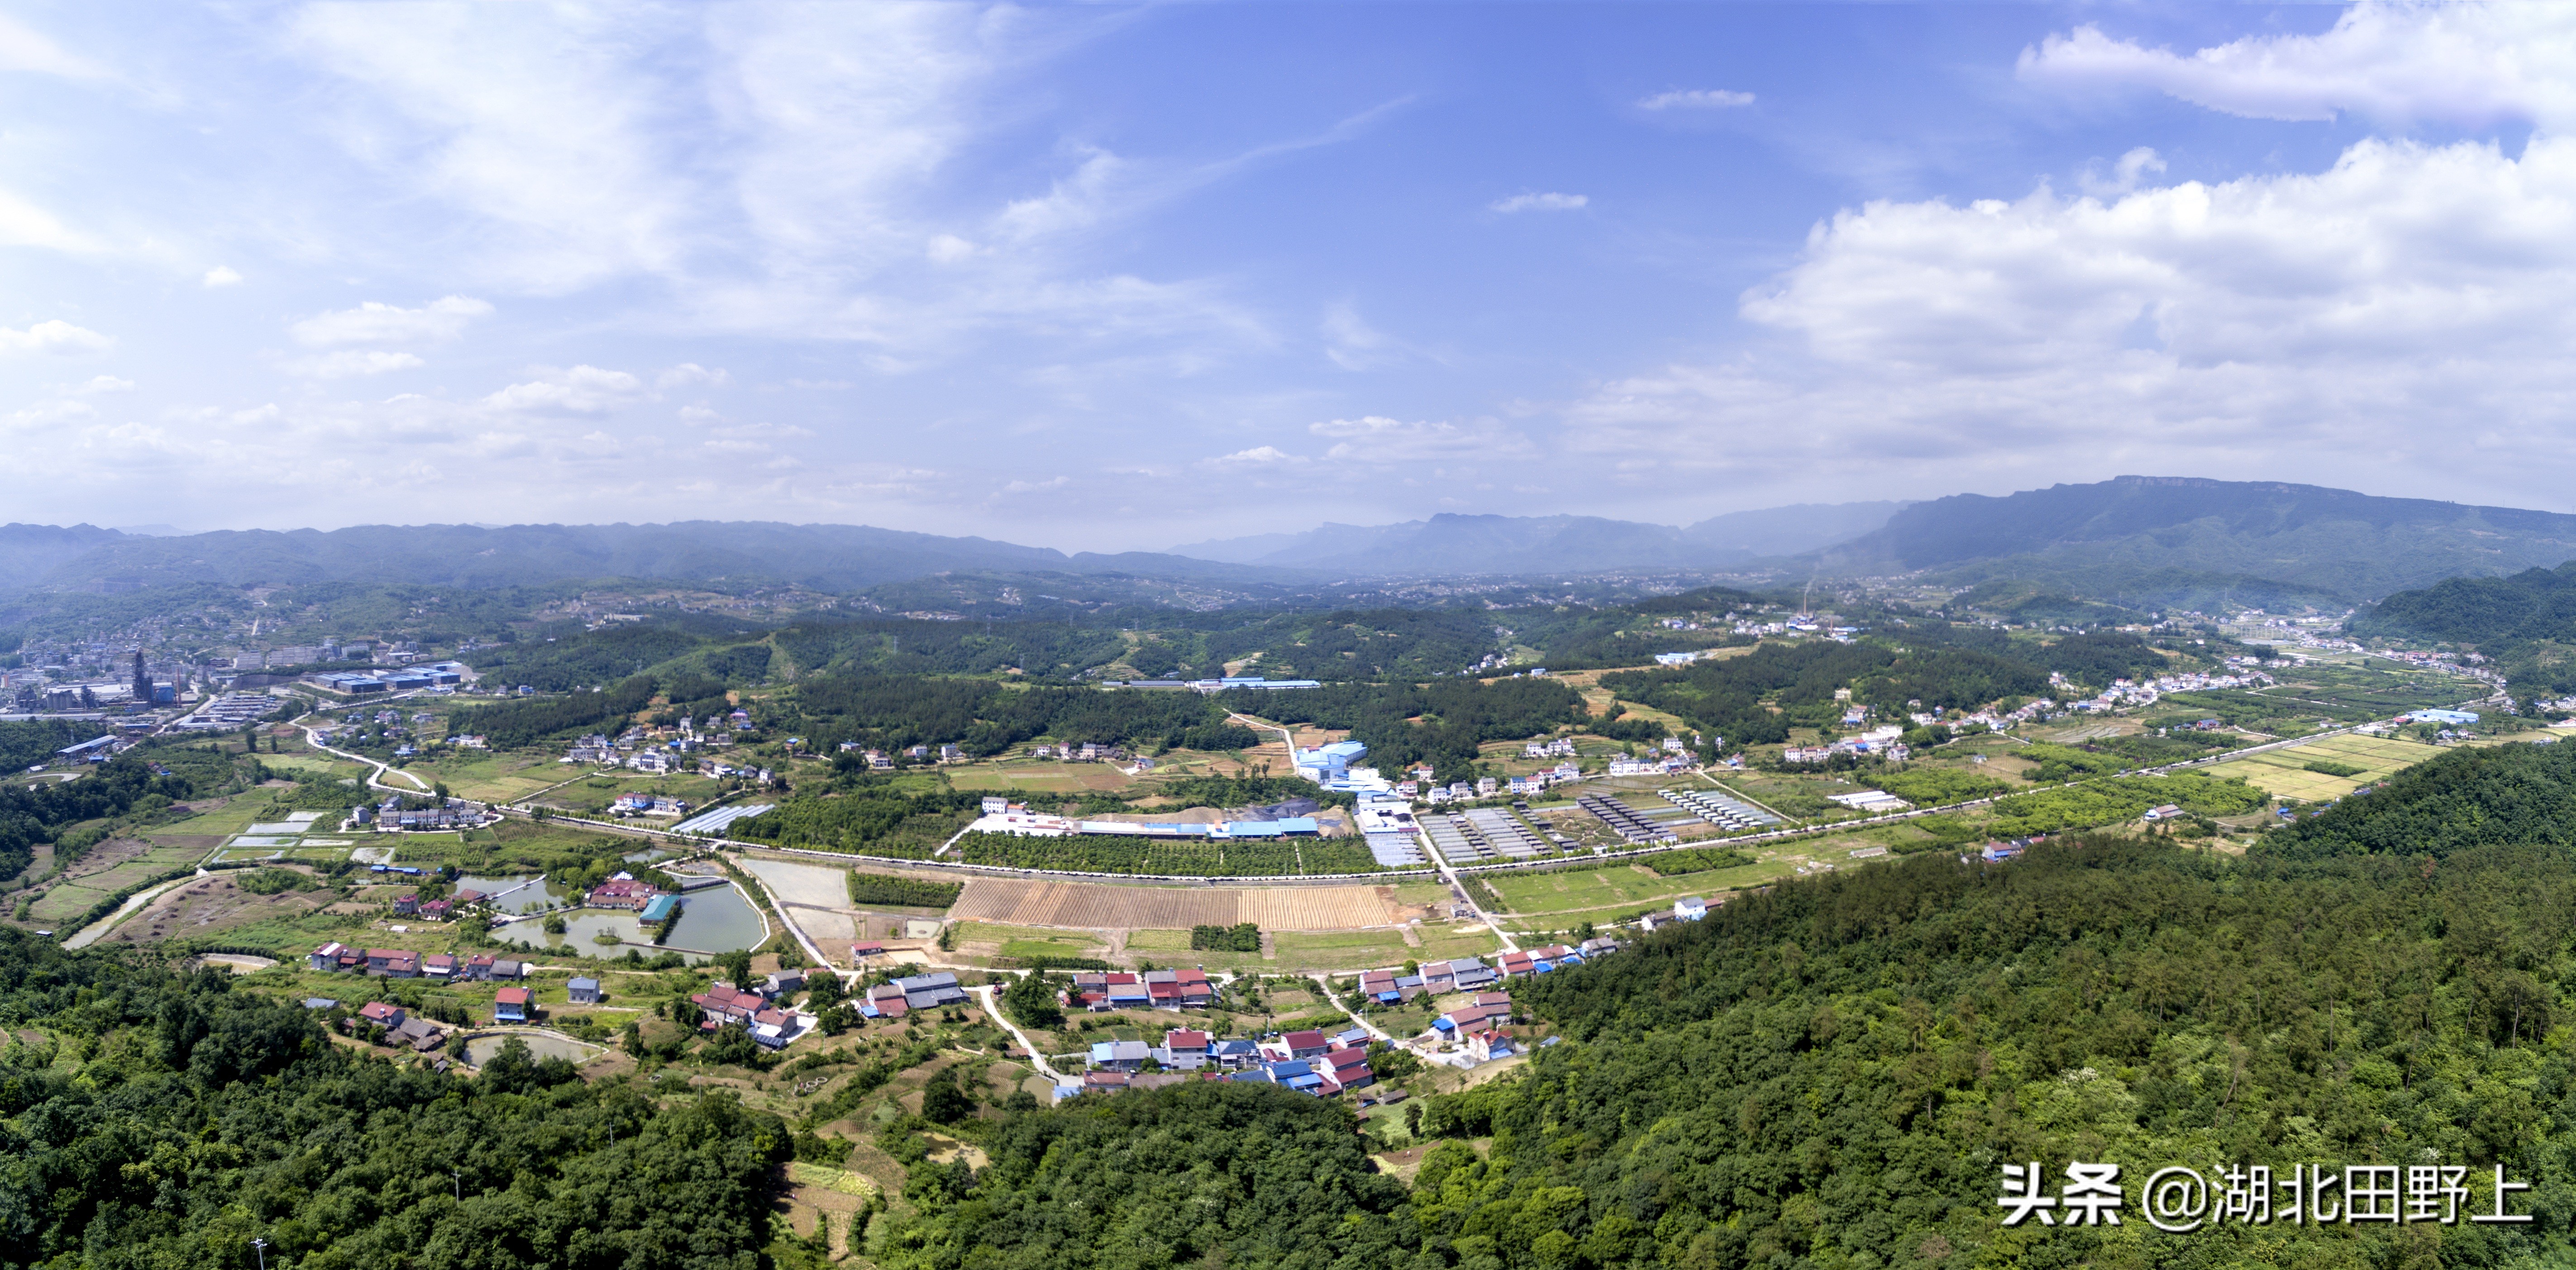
(2526, 622)
(831, 557)
(2116, 536)
(1833, 1074)
(149, 1119)
(2469, 797)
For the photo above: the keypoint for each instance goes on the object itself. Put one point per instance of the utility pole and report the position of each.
(260, 1246)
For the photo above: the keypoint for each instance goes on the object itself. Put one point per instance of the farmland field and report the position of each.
(1437, 945)
(795, 882)
(1097, 906)
(2283, 773)
(490, 777)
(1343, 950)
(1037, 777)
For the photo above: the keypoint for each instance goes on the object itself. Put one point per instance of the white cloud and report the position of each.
(2467, 64)
(2124, 175)
(1538, 203)
(1257, 456)
(2406, 310)
(25, 49)
(687, 373)
(1355, 345)
(544, 126)
(222, 276)
(102, 384)
(55, 338)
(23, 224)
(580, 390)
(1378, 439)
(1076, 202)
(948, 249)
(51, 413)
(375, 323)
(350, 361)
(1696, 99)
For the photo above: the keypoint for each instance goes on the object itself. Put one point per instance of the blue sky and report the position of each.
(1111, 278)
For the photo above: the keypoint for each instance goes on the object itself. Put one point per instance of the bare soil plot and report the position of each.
(105, 857)
(816, 885)
(1097, 906)
(206, 906)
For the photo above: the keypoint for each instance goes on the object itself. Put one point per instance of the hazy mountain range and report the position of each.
(2153, 534)
(826, 557)
(2138, 541)
(1455, 544)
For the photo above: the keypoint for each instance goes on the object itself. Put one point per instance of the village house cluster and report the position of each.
(914, 992)
(397, 963)
(1180, 989)
(1309, 1062)
(759, 1008)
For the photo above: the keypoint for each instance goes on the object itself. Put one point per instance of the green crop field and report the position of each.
(1437, 945)
(493, 777)
(1037, 777)
(1575, 891)
(1015, 941)
(1342, 950)
(63, 903)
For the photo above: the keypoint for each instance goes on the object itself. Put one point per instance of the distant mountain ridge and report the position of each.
(826, 557)
(1452, 543)
(2102, 537)
(2141, 542)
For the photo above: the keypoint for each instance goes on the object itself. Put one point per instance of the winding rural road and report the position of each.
(375, 779)
(1037, 1059)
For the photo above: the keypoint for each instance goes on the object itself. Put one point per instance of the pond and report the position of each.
(649, 855)
(718, 919)
(516, 894)
(541, 1046)
(713, 920)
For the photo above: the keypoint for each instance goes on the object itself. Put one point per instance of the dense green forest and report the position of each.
(560, 657)
(155, 1120)
(2526, 622)
(1357, 644)
(1211, 1174)
(869, 890)
(1169, 857)
(871, 815)
(519, 723)
(30, 816)
(985, 718)
(1832, 1073)
(1727, 697)
(1941, 667)
(1454, 716)
(901, 646)
(25, 743)
(2461, 798)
